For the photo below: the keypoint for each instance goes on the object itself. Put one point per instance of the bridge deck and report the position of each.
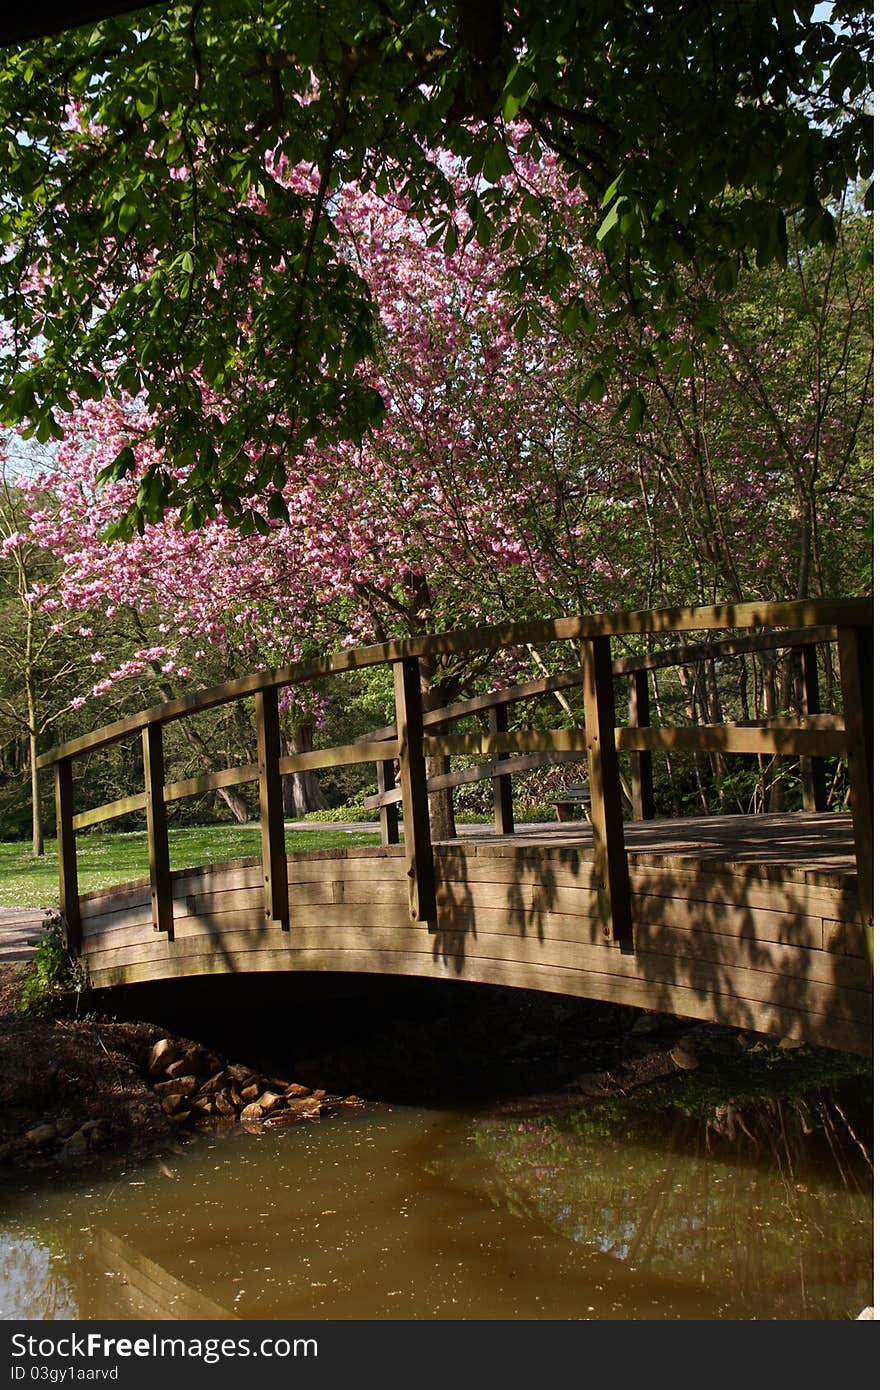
(752, 921)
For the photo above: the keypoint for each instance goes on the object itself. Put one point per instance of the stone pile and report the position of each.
(193, 1086)
(65, 1138)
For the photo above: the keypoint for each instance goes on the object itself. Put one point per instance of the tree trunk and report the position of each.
(301, 791)
(239, 808)
(441, 807)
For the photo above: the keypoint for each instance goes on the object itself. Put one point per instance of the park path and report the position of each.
(19, 932)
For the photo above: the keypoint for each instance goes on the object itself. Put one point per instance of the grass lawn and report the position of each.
(104, 859)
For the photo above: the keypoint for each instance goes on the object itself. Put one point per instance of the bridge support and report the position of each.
(67, 881)
(815, 797)
(856, 645)
(388, 823)
(502, 786)
(272, 809)
(414, 788)
(606, 808)
(641, 771)
(157, 830)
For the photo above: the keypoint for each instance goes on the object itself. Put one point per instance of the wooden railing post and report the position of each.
(68, 888)
(611, 873)
(157, 830)
(641, 771)
(272, 809)
(414, 789)
(856, 645)
(815, 797)
(502, 786)
(388, 823)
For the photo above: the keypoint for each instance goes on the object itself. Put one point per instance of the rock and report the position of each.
(76, 1144)
(90, 1126)
(185, 1065)
(789, 1044)
(352, 1100)
(266, 1102)
(223, 1104)
(180, 1086)
(6, 1151)
(251, 1113)
(249, 1093)
(41, 1135)
(162, 1055)
(240, 1074)
(684, 1057)
(284, 1117)
(214, 1084)
(647, 1023)
(203, 1104)
(309, 1107)
(172, 1103)
(297, 1089)
(181, 1116)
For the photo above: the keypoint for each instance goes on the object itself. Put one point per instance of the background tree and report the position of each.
(148, 234)
(45, 654)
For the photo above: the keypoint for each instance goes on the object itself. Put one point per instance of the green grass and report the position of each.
(105, 859)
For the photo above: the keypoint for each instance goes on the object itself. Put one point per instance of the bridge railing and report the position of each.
(408, 743)
(639, 790)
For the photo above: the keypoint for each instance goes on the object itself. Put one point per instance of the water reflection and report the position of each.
(414, 1214)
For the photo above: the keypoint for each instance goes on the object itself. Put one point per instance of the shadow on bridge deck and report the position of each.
(748, 921)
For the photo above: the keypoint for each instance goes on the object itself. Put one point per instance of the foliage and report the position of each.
(53, 974)
(155, 250)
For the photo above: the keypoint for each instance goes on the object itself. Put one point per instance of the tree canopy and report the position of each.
(171, 182)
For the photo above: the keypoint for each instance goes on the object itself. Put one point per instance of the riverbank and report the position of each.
(80, 1086)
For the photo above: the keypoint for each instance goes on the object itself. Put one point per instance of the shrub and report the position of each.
(54, 973)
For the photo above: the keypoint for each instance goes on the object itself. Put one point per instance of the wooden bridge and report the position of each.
(759, 921)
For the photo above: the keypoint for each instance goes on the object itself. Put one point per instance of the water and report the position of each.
(404, 1212)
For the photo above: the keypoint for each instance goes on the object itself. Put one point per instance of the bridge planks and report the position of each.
(776, 947)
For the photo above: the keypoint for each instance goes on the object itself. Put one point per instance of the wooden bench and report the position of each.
(576, 795)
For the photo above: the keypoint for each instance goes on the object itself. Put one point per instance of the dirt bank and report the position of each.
(61, 1073)
(78, 1090)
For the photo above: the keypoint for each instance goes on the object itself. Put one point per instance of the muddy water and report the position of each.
(410, 1213)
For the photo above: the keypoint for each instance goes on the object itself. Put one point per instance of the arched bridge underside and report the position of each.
(760, 921)
(749, 921)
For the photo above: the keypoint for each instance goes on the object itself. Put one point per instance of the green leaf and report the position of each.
(146, 102)
(637, 407)
(497, 162)
(595, 387)
(611, 220)
(611, 190)
(127, 217)
(124, 463)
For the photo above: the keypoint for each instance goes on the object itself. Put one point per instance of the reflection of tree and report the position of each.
(35, 1280)
(763, 1231)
